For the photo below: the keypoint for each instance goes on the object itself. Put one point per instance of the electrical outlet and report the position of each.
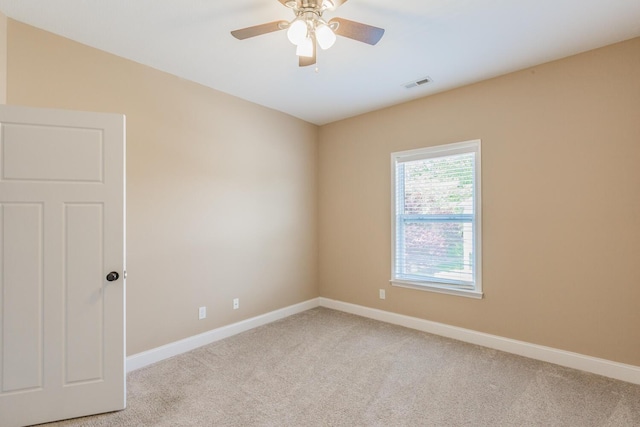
(236, 303)
(202, 313)
(382, 294)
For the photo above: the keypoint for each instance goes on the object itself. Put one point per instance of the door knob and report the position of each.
(112, 276)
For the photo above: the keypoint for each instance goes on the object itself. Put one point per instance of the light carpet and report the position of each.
(328, 368)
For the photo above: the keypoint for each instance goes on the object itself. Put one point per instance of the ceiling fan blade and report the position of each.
(305, 61)
(258, 30)
(358, 31)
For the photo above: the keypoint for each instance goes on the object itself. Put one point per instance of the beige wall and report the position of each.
(221, 193)
(561, 203)
(222, 198)
(3, 58)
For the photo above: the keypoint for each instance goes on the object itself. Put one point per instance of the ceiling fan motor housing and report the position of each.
(316, 4)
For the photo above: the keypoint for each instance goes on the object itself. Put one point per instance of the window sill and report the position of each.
(433, 287)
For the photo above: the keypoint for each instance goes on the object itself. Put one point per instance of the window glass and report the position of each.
(436, 211)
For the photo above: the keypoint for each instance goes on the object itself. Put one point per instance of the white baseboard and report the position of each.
(154, 355)
(607, 368)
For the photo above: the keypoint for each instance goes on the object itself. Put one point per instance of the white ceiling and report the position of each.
(454, 42)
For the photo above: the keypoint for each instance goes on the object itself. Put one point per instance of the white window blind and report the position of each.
(436, 211)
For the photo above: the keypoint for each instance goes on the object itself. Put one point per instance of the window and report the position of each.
(437, 220)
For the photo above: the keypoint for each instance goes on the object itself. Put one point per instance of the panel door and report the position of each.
(62, 323)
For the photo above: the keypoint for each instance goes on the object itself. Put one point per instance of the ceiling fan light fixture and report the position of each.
(325, 36)
(305, 48)
(297, 32)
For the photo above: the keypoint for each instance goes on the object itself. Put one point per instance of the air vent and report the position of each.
(420, 82)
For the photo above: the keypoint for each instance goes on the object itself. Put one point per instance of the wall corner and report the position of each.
(3, 58)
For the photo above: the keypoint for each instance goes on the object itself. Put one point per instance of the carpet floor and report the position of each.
(328, 368)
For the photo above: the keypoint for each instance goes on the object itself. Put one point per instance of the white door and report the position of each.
(62, 349)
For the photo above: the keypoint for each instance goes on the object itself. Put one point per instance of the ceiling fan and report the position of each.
(309, 29)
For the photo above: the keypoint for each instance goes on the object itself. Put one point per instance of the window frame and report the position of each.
(445, 150)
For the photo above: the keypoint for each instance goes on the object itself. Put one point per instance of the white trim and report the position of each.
(607, 368)
(444, 289)
(154, 355)
(430, 152)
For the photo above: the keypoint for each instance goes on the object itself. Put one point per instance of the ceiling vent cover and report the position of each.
(420, 82)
